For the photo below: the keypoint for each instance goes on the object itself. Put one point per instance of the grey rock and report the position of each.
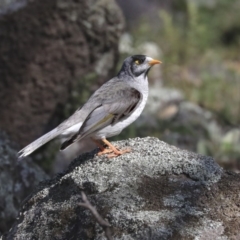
(160, 97)
(17, 181)
(159, 100)
(155, 192)
(9, 6)
(190, 126)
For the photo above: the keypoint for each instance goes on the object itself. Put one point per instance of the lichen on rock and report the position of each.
(155, 192)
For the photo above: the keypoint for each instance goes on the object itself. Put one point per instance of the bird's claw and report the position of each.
(104, 151)
(118, 153)
(113, 153)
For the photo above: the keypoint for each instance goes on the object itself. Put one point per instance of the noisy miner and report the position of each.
(114, 106)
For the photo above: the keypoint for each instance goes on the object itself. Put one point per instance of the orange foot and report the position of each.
(104, 151)
(118, 153)
(114, 151)
(111, 151)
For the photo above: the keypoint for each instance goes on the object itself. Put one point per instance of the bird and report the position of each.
(110, 109)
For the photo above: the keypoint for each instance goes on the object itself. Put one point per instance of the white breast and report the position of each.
(115, 129)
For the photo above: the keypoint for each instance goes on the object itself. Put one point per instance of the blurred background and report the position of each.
(54, 54)
(194, 98)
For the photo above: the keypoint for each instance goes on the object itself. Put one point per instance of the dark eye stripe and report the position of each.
(140, 58)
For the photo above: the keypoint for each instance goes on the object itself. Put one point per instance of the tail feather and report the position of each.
(38, 143)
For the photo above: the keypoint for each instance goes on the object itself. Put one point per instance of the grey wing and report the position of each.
(117, 106)
(93, 103)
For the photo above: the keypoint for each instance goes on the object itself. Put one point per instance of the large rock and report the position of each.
(49, 51)
(155, 192)
(17, 181)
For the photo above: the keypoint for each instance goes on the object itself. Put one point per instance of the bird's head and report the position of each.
(137, 65)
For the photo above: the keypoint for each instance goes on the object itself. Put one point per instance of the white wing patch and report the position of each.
(72, 130)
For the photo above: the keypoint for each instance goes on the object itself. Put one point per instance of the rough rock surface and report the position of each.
(46, 48)
(155, 192)
(17, 181)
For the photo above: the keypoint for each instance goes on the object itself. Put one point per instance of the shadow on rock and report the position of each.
(155, 192)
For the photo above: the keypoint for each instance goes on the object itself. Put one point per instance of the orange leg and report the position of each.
(114, 151)
(103, 150)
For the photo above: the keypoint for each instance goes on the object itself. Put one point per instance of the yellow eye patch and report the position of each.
(137, 62)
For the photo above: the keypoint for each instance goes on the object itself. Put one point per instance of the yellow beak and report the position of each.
(153, 62)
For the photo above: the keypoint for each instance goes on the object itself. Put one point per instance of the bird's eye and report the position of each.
(138, 61)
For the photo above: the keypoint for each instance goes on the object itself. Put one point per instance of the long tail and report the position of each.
(38, 143)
